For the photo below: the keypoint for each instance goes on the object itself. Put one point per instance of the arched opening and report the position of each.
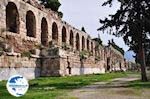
(30, 24)
(77, 42)
(54, 32)
(83, 43)
(120, 66)
(108, 64)
(12, 18)
(44, 32)
(87, 44)
(71, 38)
(92, 47)
(64, 37)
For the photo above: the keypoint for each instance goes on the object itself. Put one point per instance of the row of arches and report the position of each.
(13, 22)
(13, 25)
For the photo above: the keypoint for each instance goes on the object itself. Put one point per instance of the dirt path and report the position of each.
(115, 89)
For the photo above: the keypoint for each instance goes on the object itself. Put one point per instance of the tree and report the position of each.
(132, 21)
(60, 14)
(147, 51)
(53, 4)
(83, 29)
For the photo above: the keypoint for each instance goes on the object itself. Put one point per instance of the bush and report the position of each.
(84, 54)
(26, 54)
(52, 4)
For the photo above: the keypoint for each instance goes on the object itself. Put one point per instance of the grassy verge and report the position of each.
(139, 85)
(52, 87)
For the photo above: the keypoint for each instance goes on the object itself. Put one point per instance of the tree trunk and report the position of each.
(141, 52)
(141, 55)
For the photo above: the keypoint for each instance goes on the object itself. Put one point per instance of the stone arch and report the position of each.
(30, 24)
(64, 36)
(71, 38)
(83, 43)
(77, 42)
(54, 32)
(44, 32)
(12, 18)
(88, 44)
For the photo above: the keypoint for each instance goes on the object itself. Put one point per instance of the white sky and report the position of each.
(87, 13)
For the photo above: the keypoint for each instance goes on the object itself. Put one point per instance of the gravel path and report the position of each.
(115, 89)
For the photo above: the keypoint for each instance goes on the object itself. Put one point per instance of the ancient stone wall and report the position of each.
(29, 29)
(13, 63)
(64, 62)
(114, 59)
(29, 26)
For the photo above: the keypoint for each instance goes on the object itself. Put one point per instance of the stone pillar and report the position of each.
(67, 36)
(59, 35)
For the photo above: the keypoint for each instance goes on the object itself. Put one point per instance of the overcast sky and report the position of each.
(87, 13)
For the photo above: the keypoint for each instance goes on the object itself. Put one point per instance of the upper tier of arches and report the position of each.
(41, 25)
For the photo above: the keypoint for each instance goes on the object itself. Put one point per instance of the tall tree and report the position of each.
(147, 51)
(132, 21)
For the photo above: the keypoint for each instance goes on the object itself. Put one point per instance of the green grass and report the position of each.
(52, 87)
(139, 85)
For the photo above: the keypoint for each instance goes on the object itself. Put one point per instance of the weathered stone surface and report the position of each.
(29, 73)
(41, 44)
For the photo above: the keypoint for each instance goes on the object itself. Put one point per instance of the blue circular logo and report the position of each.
(17, 85)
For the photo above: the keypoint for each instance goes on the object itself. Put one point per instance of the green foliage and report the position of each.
(84, 54)
(39, 46)
(2, 30)
(26, 54)
(83, 29)
(53, 4)
(147, 51)
(127, 21)
(131, 21)
(138, 84)
(2, 37)
(60, 14)
(1, 49)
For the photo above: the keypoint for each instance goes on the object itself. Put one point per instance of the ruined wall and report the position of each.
(64, 62)
(114, 59)
(13, 63)
(29, 28)
(22, 41)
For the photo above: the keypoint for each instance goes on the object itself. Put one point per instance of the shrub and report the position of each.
(26, 54)
(84, 54)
